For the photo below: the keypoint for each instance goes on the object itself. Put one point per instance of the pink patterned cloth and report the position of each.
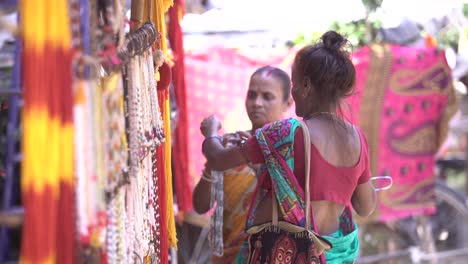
(404, 100)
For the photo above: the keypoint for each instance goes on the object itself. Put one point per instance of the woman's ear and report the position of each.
(289, 103)
(307, 86)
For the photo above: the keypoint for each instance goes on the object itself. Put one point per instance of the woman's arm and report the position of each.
(202, 192)
(217, 156)
(364, 199)
(221, 158)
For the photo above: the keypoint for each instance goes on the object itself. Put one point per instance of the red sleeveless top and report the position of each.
(327, 181)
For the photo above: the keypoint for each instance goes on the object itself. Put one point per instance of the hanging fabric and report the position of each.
(47, 167)
(157, 10)
(183, 186)
(163, 183)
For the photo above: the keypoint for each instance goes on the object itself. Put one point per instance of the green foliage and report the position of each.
(359, 33)
(356, 32)
(307, 39)
(448, 38)
(372, 5)
(364, 31)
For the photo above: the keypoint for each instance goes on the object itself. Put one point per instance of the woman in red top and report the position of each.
(322, 75)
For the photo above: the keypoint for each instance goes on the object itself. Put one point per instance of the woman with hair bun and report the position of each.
(322, 76)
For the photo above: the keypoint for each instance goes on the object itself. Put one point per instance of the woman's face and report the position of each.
(265, 101)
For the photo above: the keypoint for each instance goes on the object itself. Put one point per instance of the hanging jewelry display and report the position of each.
(119, 126)
(90, 205)
(145, 133)
(115, 164)
(115, 143)
(101, 150)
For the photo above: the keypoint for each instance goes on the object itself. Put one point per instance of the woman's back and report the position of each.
(338, 142)
(339, 163)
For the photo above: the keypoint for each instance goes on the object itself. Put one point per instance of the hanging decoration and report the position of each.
(182, 182)
(47, 167)
(96, 173)
(164, 156)
(157, 10)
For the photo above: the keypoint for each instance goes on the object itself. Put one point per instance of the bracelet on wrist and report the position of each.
(206, 177)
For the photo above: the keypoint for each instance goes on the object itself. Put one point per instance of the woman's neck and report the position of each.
(318, 112)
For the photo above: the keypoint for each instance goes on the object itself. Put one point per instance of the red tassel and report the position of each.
(164, 77)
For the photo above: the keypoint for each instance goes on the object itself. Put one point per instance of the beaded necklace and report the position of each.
(115, 147)
(145, 133)
(115, 143)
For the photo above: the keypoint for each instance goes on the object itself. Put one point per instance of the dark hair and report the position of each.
(281, 75)
(329, 68)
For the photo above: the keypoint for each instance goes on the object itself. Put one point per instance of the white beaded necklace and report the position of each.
(145, 130)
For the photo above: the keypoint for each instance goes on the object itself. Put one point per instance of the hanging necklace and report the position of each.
(144, 122)
(133, 95)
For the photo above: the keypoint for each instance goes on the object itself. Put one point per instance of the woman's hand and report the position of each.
(244, 135)
(210, 126)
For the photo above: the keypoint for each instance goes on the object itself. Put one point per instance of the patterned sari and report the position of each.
(276, 141)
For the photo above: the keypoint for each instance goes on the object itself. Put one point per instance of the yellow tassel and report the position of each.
(171, 229)
(160, 7)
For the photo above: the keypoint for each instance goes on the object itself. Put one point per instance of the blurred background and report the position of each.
(411, 101)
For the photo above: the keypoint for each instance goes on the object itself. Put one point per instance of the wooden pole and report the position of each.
(137, 14)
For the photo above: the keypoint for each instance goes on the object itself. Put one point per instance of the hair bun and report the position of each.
(333, 41)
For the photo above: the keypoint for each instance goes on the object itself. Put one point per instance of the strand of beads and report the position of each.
(112, 232)
(158, 124)
(132, 96)
(133, 111)
(130, 221)
(121, 228)
(154, 202)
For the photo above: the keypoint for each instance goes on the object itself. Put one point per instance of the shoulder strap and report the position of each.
(307, 146)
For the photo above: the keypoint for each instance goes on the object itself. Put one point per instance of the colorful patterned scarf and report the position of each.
(276, 141)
